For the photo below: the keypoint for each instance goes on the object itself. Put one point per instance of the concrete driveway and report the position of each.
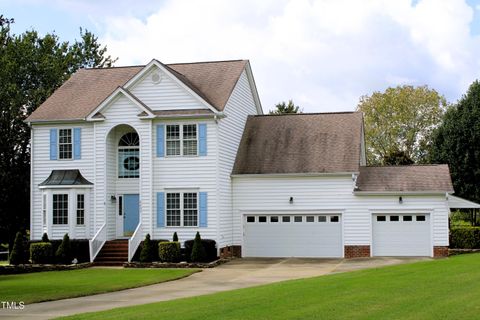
(239, 273)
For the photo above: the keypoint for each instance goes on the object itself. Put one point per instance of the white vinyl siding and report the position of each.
(330, 193)
(180, 174)
(164, 95)
(120, 114)
(230, 130)
(42, 166)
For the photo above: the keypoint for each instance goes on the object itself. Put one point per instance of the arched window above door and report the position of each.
(129, 156)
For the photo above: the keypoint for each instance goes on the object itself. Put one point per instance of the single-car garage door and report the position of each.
(401, 235)
(295, 235)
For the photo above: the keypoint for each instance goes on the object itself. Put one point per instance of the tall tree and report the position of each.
(284, 108)
(31, 68)
(400, 121)
(457, 142)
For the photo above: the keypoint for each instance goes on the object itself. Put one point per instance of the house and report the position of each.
(121, 152)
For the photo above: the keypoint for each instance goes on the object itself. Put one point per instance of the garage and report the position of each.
(401, 235)
(295, 235)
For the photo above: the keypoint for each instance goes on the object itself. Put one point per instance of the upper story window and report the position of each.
(182, 140)
(129, 156)
(65, 144)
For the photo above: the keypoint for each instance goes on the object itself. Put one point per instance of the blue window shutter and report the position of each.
(53, 144)
(77, 143)
(161, 141)
(203, 209)
(160, 209)
(202, 141)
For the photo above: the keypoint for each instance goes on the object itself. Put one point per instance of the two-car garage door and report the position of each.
(401, 235)
(296, 235)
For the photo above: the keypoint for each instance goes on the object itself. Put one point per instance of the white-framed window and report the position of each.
(181, 209)
(80, 209)
(65, 144)
(60, 208)
(44, 209)
(181, 140)
(129, 156)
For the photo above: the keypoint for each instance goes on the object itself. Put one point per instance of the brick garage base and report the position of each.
(231, 251)
(439, 252)
(357, 252)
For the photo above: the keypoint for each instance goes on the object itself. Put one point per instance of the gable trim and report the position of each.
(253, 88)
(111, 97)
(162, 67)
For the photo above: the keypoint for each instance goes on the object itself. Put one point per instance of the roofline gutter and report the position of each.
(399, 193)
(59, 121)
(66, 186)
(286, 175)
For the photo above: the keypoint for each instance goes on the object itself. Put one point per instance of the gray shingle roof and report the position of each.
(300, 143)
(414, 178)
(87, 88)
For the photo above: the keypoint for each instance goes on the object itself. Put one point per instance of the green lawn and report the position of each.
(54, 285)
(440, 289)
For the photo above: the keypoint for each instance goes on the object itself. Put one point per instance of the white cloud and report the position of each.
(323, 54)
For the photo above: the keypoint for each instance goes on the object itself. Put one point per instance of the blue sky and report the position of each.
(323, 54)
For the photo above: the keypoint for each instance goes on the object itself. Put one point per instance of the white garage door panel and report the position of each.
(293, 239)
(401, 238)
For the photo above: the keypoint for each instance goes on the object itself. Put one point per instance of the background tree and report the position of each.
(400, 121)
(284, 108)
(457, 142)
(31, 68)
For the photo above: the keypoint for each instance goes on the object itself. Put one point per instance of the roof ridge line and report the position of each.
(306, 114)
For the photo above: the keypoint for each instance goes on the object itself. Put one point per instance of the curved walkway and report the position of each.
(240, 273)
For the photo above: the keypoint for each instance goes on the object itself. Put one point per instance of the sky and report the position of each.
(323, 54)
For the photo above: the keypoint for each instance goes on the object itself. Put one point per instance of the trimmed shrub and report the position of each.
(210, 249)
(64, 251)
(41, 252)
(465, 238)
(19, 254)
(198, 250)
(175, 237)
(147, 254)
(45, 238)
(136, 256)
(80, 249)
(169, 251)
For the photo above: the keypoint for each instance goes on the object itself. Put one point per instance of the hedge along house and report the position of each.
(121, 152)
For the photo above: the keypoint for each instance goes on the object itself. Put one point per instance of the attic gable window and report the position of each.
(65, 144)
(181, 140)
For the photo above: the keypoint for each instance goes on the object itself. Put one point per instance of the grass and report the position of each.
(54, 285)
(440, 289)
(3, 262)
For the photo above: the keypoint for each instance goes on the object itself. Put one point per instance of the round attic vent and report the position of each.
(156, 77)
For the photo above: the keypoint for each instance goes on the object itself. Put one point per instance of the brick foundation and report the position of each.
(231, 251)
(439, 252)
(357, 252)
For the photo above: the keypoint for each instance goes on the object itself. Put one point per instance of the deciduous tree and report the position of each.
(31, 68)
(401, 121)
(457, 142)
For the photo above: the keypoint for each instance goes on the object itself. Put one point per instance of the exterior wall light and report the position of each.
(400, 200)
(113, 198)
(291, 200)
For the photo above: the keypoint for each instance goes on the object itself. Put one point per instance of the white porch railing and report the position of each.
(134, 241)
(98, 241)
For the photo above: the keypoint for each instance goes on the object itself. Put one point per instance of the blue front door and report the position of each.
(130, 215)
